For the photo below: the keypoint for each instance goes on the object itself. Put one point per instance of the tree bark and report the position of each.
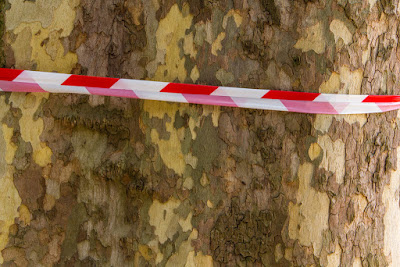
(102, 181)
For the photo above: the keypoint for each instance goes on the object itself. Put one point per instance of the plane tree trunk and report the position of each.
(100, 181)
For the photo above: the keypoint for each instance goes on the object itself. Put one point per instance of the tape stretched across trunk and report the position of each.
(34, 81)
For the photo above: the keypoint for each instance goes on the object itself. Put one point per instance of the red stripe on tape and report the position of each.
(9, 74)
(285, 95)
(112, 92)
(309, 107)
(210, 100)
(89, 81)
(9, 86)
(382, 98)
(193, 89)
(385, 107)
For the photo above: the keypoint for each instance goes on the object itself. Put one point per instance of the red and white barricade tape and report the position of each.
(34, 81)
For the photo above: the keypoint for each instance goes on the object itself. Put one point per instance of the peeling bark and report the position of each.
(92, 180)
(2, 60)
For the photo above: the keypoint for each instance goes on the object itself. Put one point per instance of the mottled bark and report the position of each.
(91, 180)
(2, 10)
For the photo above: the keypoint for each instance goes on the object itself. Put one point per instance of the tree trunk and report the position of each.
(102, 181)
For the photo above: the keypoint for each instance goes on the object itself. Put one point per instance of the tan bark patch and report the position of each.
(333, 156)
(308, 218)
(313, 39)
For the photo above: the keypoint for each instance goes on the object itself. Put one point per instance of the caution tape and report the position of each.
(12, 80)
